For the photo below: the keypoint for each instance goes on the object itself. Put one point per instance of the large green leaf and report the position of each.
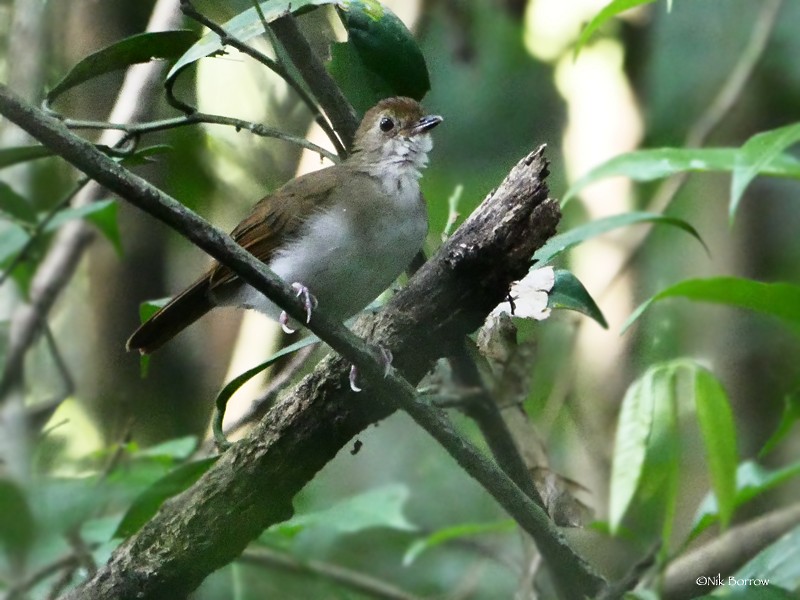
(715, 418)
(385, 61)
(139, 48)
(611, 10)
(780, 300)
(752, 480)
(647, 165)
(759, 151)
(646, 452)
(569, 293)
(562, 242)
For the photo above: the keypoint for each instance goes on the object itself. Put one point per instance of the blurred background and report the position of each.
(504, 75)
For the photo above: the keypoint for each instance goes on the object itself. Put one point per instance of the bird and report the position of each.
(339, 236)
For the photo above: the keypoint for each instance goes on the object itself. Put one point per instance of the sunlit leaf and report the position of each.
(448, 534)
(715, 418)
(148, 502)
(139, 48)
(611, 10)
(569, 293)
(244, 26)
(790, 416)
(13, 156)
(780, 300)
(647, 165)
(755, 155)
(562, 242)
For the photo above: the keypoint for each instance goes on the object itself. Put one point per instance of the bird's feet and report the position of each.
(385, 357)
(309, 303)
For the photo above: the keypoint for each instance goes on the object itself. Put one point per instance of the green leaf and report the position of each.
(244, 26)
(611, 10)
(790, 416)
(752, 480)
(386, 49)
(778, 563)
(17, 524)
(755, 155)
(645, 461)
(12, 239)
(382, 507)
(148, 502)
(102, 214)
(13, 156)
(15, 205)
(362, 88)
(569, 293)
(455, 532)
(233, 385)
(715, 418)
(780, 300)
(139, 48)
(630, 448)
(172, 450)
(562, 242)
(647, 165)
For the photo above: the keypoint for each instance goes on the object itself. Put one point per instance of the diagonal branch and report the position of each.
(252, 485)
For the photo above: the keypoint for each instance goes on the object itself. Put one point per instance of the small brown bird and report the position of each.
(339, 236)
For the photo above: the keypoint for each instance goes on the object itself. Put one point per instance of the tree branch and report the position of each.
(253, 483)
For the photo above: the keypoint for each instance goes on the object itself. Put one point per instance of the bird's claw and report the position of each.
(309, 303)
(385, 358)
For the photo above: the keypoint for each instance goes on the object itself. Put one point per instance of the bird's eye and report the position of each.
(386, 124)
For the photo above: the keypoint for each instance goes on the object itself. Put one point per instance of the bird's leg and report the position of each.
(385, 356)
(309, 303)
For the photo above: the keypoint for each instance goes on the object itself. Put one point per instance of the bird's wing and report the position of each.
(278, 217)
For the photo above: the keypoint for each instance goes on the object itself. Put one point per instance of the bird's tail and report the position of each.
(183, 310)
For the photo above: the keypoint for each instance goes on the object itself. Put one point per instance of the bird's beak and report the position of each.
(425, 124)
